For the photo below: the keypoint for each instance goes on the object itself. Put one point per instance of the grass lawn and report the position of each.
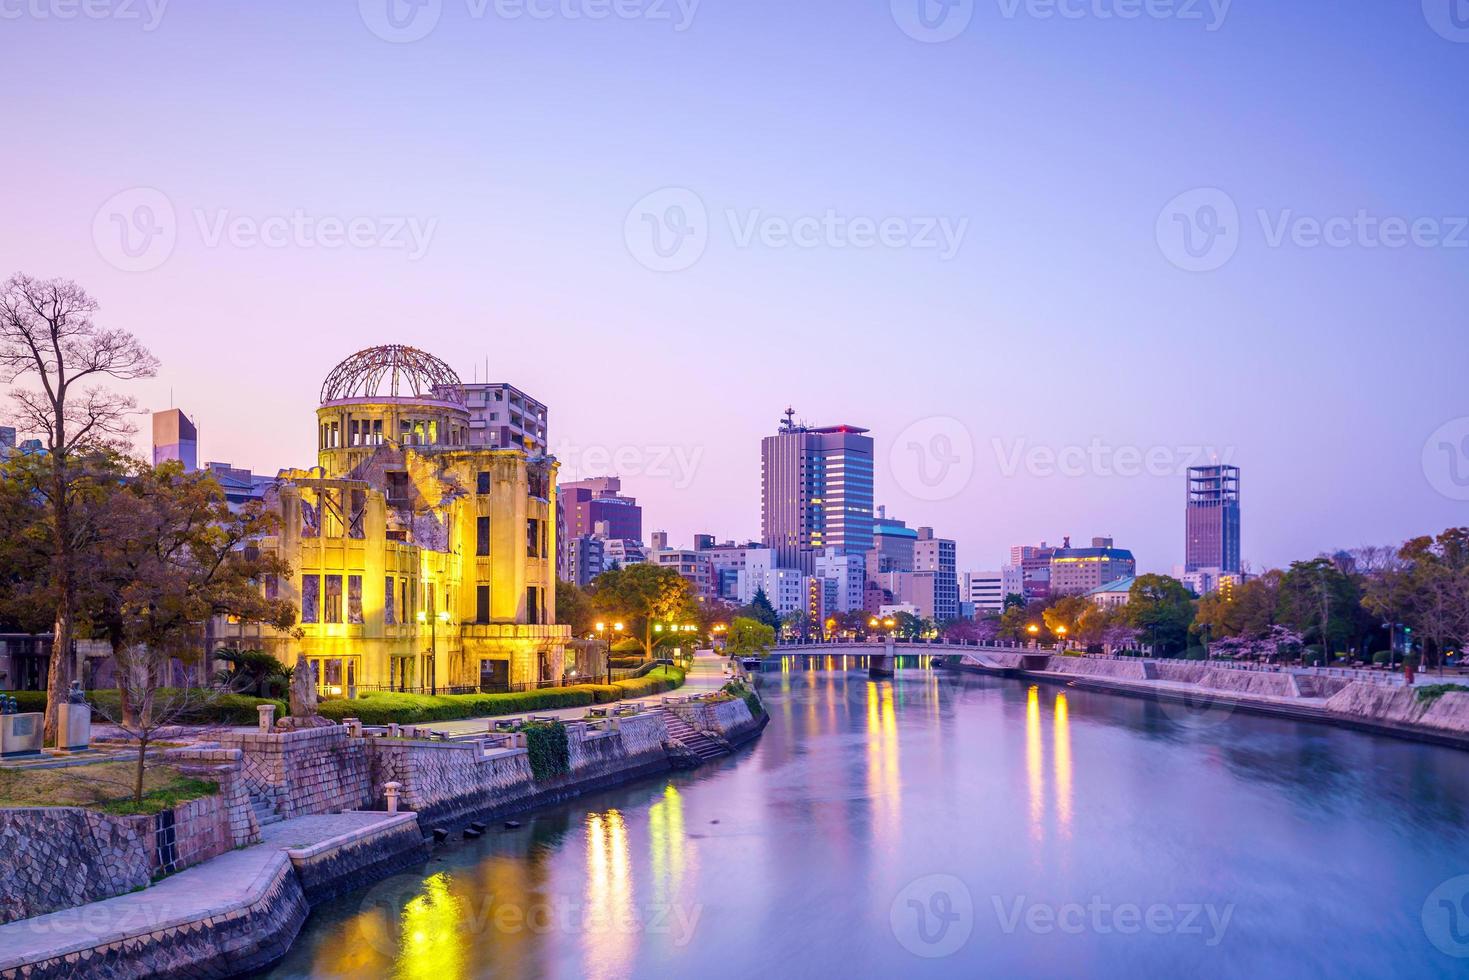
(104, 786)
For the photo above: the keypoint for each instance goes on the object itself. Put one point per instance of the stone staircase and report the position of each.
(265, 812)
(696, 742)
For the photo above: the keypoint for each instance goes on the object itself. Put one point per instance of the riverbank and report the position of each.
(302, 816)
(1375, 708)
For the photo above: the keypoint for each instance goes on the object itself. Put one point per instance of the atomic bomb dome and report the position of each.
(392, 371)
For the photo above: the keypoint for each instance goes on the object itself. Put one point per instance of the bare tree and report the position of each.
(47, 331)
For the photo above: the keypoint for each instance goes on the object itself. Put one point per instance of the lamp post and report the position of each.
(1035, 632)
(1061, 632)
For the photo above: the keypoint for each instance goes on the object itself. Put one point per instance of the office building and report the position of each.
(587, 503)
(816, 491)
(843, 577)
(175, 439)
(502, 416)
(1212, 519)
(938, 555)
(985, 591)
(1078, 570)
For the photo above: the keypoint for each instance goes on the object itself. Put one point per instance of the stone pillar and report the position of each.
(267, 717)
(73, 727)
(391, 789)
(394, 730)
(354, 726)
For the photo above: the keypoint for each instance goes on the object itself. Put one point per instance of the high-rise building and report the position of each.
(1211, 519)
(892, 545)
(1034, 563)
(938, 555)
(984, 590)
(587, 503)
(816, 491)
(584, 557)
(502, 416)
(175, 439)
(1076, 570)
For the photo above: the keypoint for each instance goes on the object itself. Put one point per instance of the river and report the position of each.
(942, 825)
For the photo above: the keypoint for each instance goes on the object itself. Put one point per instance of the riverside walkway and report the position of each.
(220, 889)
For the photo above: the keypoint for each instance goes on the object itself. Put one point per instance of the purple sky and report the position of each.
(494, 179)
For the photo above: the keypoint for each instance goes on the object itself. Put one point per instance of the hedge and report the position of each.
(390, 707)
(227, 709)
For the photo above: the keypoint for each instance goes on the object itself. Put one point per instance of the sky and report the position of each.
(1051, 252)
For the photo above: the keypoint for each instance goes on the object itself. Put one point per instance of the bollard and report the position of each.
(391, 789)
(267, 717)
(394, 730)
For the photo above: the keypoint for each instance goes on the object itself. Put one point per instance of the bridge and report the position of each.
(1000, 658)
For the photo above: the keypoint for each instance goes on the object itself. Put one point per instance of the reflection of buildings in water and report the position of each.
(1035, 762)
(884, 785)
(1062, 737)
(434, 941)
(610, 925)
(669, 845)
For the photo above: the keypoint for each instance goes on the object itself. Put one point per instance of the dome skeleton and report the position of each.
(408, 372)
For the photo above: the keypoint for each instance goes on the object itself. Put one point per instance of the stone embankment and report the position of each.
(301, 817)
(1372, 705)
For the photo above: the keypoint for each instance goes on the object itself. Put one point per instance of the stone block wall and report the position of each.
(55, 858)
(314, 770)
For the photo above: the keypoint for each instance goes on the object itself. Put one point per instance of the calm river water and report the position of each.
(956, 826)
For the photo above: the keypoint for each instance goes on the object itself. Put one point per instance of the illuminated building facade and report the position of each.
(1076, 570)
(420, 560)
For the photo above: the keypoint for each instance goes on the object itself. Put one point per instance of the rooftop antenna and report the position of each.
(790, 414)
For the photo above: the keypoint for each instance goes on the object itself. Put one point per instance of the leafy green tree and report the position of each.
(749, 637)
(646, 596)
(1320, 601)
(1161, 608)
(574, 608)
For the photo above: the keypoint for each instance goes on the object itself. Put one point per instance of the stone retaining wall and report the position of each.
(249, 937)
(314, 770)
(55, 858)
(1449, 712)
(336, 867)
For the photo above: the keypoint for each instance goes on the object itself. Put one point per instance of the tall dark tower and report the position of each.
(1211, 519)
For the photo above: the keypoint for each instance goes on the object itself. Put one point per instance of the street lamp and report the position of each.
(1061, 632)
(1034, 632)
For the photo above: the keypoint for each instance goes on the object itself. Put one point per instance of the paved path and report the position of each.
(705, 674)
(214, 888)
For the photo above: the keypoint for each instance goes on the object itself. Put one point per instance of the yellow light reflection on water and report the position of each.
(611, 920)
(433, 939)
(668, 844)
(1035, 761)
(884, 784)
(1062, 735)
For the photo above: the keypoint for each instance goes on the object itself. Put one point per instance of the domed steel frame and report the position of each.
(405, 372)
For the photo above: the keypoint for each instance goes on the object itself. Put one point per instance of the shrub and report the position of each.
(663, 678)
(624, 663)
(550, 753)
(746, 694)
(1382, 657)
(1194, 653)
(629, 645)
(1429, 693)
